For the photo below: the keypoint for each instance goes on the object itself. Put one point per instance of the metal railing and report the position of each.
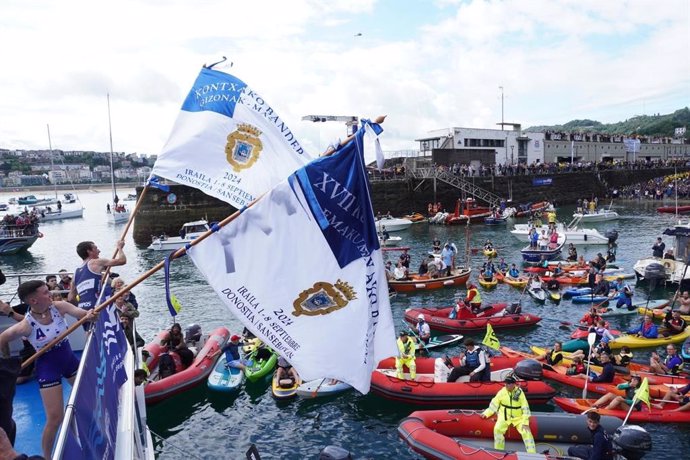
(458, 182)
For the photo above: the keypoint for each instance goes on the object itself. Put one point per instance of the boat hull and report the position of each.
(644, 415)
(437, 319)
(458, 278)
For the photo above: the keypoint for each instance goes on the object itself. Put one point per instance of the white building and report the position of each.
(488, 147)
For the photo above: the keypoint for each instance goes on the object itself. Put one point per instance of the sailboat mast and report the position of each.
(52, 168)
(110, 132)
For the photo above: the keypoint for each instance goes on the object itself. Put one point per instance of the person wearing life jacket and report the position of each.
(601, 447)
(553, 356)
(407, 349)
(511, 406)
(514, 272)
(423, 330)
(473, 298)
(613, 401)
(473, 362)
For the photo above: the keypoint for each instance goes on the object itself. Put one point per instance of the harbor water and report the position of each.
(201, 424)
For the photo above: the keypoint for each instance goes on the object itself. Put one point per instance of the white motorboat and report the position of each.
(118, 214)
(676, 270)
(188, 232)
(602, 215)
(391, 241)
(392, 224)
(574, 234)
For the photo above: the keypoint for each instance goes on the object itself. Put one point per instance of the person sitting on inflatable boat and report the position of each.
(473, 362)
(469, 306)
(512, 408)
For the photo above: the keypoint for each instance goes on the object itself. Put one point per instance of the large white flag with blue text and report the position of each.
(228, 142)
(302, 269)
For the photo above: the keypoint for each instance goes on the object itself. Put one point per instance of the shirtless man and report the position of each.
(684, 302)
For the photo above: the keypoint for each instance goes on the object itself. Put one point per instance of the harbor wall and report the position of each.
(400, 196)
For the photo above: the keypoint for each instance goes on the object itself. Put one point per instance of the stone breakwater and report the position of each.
(401, 196)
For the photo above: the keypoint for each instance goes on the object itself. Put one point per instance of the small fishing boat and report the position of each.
(17, 238)
(603, 215)
(465, 435)
(225, 379)
(391, 241)
(182, 379)
(458, 277)
(322, 387)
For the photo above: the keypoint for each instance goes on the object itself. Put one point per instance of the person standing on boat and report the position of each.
(512, 408)
(658, 248)
(44, 322)
(407, 349)
(87, 278)
(448, 258)
(601, 448)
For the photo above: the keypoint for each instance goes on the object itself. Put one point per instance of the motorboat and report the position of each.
(32, 200)
(189, 232)
(467, 210)
(118, 214)
(389, 242)
(69, 198)
(17, 238)
(675, 271)
(576, 235)
(602, 215)
(392, 224)
(552, 251)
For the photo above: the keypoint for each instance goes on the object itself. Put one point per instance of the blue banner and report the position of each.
(542, 181)
(93, 430)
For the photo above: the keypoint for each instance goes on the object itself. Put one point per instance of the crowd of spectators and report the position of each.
(657, 188)
(25, 224)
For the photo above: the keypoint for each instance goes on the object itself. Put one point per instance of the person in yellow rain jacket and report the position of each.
(407, 348)
(510, 404)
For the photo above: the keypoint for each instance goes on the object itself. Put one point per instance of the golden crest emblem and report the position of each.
(243, 147)
(323, 298)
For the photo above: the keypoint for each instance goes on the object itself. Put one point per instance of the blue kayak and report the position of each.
(591, 299)
(224, 378)
(573, 292)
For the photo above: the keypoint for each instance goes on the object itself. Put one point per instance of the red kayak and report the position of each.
(644, 415)
(425, 391)
(583, 331)
(438, 320)
(464, 435)
(183, 378)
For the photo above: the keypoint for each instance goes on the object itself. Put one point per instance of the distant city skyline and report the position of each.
(428, 65)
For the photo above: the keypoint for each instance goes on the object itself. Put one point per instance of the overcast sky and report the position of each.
(426, 64)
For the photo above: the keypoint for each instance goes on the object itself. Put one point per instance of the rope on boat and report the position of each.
(185, 452)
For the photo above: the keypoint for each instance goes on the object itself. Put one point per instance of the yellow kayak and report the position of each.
(490, 253)
(633, 341)
(658, 313)
(519, 283)
(488, 284)
(625, 276)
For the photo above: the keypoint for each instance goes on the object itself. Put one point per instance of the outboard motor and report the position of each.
(631, 442)
(612, 235)
(192, 333)
(528, 369)
(335, 453)
(655, 272)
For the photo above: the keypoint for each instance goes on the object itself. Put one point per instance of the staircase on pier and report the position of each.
(458, 182)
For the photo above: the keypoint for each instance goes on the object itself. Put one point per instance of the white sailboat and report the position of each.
(67, 209)
(117, 211)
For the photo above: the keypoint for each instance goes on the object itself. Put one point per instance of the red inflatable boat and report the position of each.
(438, 320)
(461, 434)
(425, 391)
(644, 415)
(183, 379)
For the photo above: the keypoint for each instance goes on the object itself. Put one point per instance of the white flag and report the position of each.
(302, 269)
(228, 142)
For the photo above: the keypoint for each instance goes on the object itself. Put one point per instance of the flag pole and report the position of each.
(179, 253)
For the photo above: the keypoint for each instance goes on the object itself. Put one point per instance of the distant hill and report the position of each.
(646, 125)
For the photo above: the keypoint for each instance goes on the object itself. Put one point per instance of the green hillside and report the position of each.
(646, 125)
